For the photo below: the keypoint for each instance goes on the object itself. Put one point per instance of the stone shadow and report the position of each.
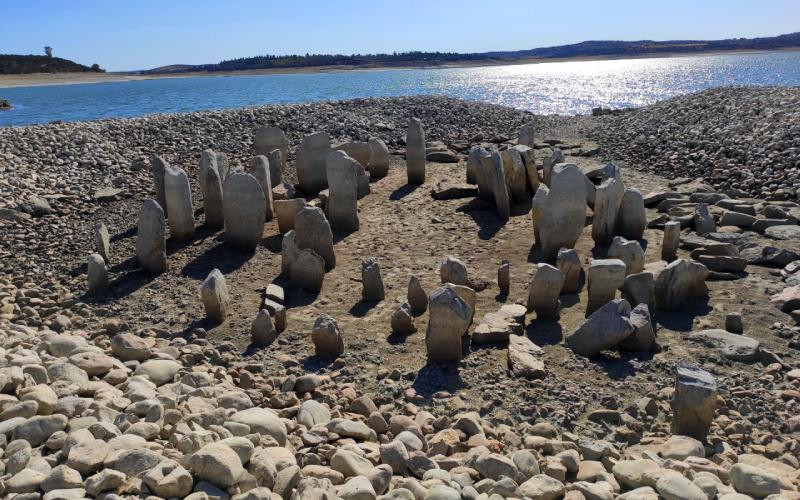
(273, 243)
(484, 216)
(222, 256)
(315, 363)
(435, 377)
(616, 365)
(403, 191)
(128, 233)
(682, 320)
(545, 331)
(362, 307)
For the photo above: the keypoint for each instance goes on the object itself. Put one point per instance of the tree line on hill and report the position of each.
(11, 64)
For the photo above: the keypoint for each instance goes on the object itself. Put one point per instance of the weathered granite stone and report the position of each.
(693, 402)
(628, 251)
(525, 135)
(605, 276)
(632, 217)
(528, 156)
(556, 157)
(402, 320)
(525, 358)
(671, 240)
(378, 159)
(515, 174)
(604, 328)
(643, 337)
(479, 166)
(452, 270)
(277, 162)
(731, 345)
(150, 238)
(545, 288)
(245, 206)
(559, 212)
(97, 275)
(703, 221)
(358, 150)
(504, 277)
(158, 167)
(449, 319)
(260, 169)
(327, 337)
(497, 181)
(286, 211)
(415, 152)
(312, 231)
(268, 139)
(179, 204)
(312, 175)
(639, 288)
(680, 282)
(608, 199)
(417, 297)
(307, 270)
(211, 187)
(342, 208)
(262, 331)
(102, 241)
(216, 300)
(371, 280)
(569, 263)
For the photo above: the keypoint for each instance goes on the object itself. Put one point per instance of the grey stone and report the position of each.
(102, 241)
(97, 275)
(754, 481)
(417, 297)
(499, 187)
(608, 199)
(311, 172)
(680, 282)
(261, 170)
(559, 212)
(379, 158)
(268, 139)
(449, 318)
(262, 331)
(277, 163)
(569, 263)
(694, 401)
(643, 337)
(544, 290)
(313, 232)
(371, 280)
(703, 221)
(150, 238)
(516, 175)
(415, 152)
(504, 277)
(342, 207)
(787, 232)
(216, 300)
(628, 251)
(549, 163)
(670, 241)
(307, 270)
(245, 206)
(605, 328)
(218, 464)
(733, 323)
(479, 163)
(327, 337)
(605, 276)
(179, 204)
(402, 320)
(211, 187)
(452, 270)
(731, 345)
(632, 218)
(158, 167)
(286, 211)
(525, 135)
(525, 359)
(639, 288)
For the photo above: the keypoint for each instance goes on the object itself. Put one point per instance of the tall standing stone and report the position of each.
(515, 174)
(525, 136)
(504, 277)
(312, 231)
(327, 337)
(260, 168)
(569, 263)
(452, 270)
(311, 171)
(499, 187)
(211, 186)
(97, 275)
(343, 173)
(607, 201)
(158, 167)
(245, 207)
(605, 276)
(693, 402)
(286, 211)
(671, 240)
(415, 152)
(703, 221)
(179, 204)
(277, 161)
(531, 166)
(545, 288)
(628, 251)
(268, 139)
(632, 215)
(379, 158)
(559, 212)
(549, 163)
(417, 298)
(357, 150)
(479, 162)
(102, 241)
(150, 238)
(371, 280)
(223, 166)
(449, 319)
(214, 293)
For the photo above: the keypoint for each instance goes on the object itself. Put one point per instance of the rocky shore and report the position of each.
(221, 377)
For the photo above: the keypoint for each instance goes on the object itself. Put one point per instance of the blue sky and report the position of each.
(141, 34)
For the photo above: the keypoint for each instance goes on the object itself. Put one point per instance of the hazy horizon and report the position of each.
(148, 34)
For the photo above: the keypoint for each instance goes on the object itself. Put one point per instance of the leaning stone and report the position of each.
(277, 163)
(559, 212)
(289, 253)
(643, 337)
(342, 208)
(402, 321)
(671, 240)
(731, 345)
(97, 275)
(102, 241)
(378, 159)
(694, 401)
(371, 280)
(211, 187)
(313, 232)
(549, 163)
(417, 298)
(312, 176)
(308, 270)
(216, 300)
(150, 238)
(499, 187)
(327, 337)
(608, 199)
(158, 167)
(452, 270)
(525, 358)
(628, 251)
(639, 288)
(516, 175)
(569, 263)
(260, 169)
(286, 211)
(262, 331)
(504, 277)
(605, 276)
(632, 216)
(605, 328)
(680, 282)
(479, 162)
(179, 204)
(449, 319)
(223, 165)
(415, 152)
(245, 206)
(544, 290)
(268, 139)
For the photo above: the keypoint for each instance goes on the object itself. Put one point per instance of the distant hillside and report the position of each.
(11, 64)
(602, 48)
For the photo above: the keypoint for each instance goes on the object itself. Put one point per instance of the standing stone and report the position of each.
(268, 139)
(102, 241)
(632, 218)
(607, 201)
(500, 187)
(545, 288)
(179, 204)
(452, 270)
(693, 402)
(703, 221)
(402, 320)
(327, 337)
(515, 174)
(415, 152)
(525, 136)
(260, 169)
(150, 238)
(343, 173)
(214, 293)
(286, 211)
(262, 331)
(643, 337)
(672, 238)
(245, 206)
(307, 270)
(628, 251)
(449, 319)
(312, 231)
(371, 280)
(97, 275)
(417, 298)
(504, 277)
(379, 158)
(604, 328)
(211, 187)
(639, 288)
(604, 278)
(531, 167)
(559, 212)
(549, 163)
(733, 323)
(158, 167)
(277, 161)
(569, 263)
(223, 166)
(357, 150)
(680, 282)
(311, 171)
(469, 296)
(480, 162)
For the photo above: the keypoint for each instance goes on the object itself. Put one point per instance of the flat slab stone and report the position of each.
(525, 358)
(449, 190)
(783, 232)
(731, 345)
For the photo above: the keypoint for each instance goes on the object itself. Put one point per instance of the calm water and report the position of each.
(547, 88)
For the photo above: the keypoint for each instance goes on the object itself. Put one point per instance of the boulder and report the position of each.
(549, 163)
(546, 286)
(628, 251)
(608, 199)
(753, 481)
(452, 270)
(327, 337)
(605, 276)
(313, 232)
(261, 170)
(286, 211)
(703, 221)
(262, 331)
(643, 337)
(694, 401)
(371, 280)
(379, 158)
(417, 298)
(516, 177)
(215, 296)
(449, 318)
(479, 167)
(402, 320)
(639, 288)
(217, 463)
(605, 328)
(499, 187)
(97, 275)
(731, 345)
(525, 358)
(632, 218)
(679, 282)
(307, 270)
(211, 187)
(569, 263)
(559, 212)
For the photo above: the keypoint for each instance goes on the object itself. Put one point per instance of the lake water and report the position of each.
(548, 88)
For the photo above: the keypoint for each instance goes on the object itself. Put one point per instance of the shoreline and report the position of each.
(49, 79)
